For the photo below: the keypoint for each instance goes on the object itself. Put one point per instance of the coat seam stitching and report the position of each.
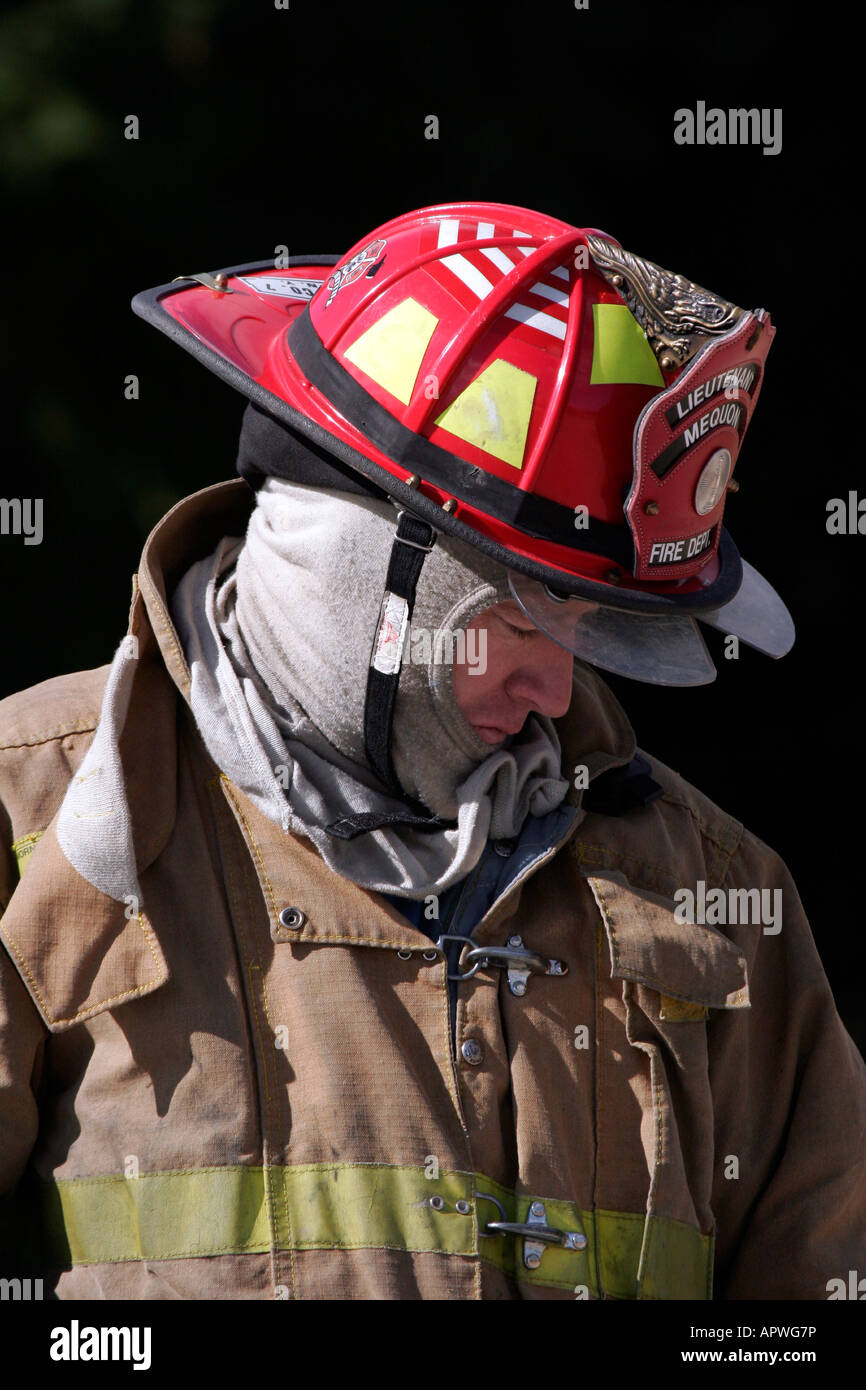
(271, 1112)
(600, 1055)
(52, 735)
(253, 844)
(88, 1010)
(148, 592)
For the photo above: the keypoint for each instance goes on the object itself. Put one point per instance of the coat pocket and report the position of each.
(672, 974)
(686, 962)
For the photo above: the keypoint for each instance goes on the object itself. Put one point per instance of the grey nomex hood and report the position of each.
(278, 630)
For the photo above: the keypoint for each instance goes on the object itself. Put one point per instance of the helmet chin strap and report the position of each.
(413, 541)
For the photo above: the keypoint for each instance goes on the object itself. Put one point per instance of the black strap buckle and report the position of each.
(403, 519)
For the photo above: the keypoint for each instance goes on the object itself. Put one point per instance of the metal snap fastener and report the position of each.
(504, 847)
(463, 1207)
(472, 1052)
(404, 954)
(575, 1240)
(430, 955)
(436, 1202)
(292, 918)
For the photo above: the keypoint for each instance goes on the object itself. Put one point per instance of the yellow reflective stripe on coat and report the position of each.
(23, 847)
(219, 1211)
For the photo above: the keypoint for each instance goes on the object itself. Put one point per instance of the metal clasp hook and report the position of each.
(217, 282)
(535, 1231)
(521, 963)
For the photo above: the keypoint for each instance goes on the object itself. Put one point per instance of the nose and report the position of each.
(544, 682)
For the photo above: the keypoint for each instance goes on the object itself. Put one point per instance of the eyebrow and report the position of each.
(514, 611)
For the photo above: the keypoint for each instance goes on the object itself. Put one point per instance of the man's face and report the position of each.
(525, 672)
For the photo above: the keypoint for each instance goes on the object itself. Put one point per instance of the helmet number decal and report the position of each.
(285, 286)
(353, 269)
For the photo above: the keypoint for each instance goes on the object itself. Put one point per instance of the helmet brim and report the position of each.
(658, 649)
(756, 615)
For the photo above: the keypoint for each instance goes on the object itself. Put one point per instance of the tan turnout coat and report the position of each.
(198, 1101)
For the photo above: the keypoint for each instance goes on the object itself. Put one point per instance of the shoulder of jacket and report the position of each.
(681, 800)
(45, 732)
(679, 834)
(52, 709)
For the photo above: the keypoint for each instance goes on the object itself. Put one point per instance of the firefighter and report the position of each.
(352, 948)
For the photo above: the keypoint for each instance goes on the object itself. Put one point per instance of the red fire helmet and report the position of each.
(529, 387)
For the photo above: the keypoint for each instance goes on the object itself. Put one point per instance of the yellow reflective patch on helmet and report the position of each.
(621, 354)
(392, 351)
(493, 412)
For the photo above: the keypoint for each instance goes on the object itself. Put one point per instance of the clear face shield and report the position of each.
(665, 649)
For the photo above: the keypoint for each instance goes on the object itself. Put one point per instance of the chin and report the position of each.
(490, 734)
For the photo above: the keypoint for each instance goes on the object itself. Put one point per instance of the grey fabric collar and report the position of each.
(277, 630)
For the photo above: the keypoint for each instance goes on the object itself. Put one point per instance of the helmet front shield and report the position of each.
(664, 649)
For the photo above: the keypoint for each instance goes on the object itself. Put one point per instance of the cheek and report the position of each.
(474, 679)
(470, 685)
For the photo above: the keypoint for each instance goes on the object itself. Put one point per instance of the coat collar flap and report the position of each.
(595, 733)
(78, 951)
(187, 533)
(292, 874)
(647, 944)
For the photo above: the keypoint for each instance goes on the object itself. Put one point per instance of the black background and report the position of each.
(305, 127)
